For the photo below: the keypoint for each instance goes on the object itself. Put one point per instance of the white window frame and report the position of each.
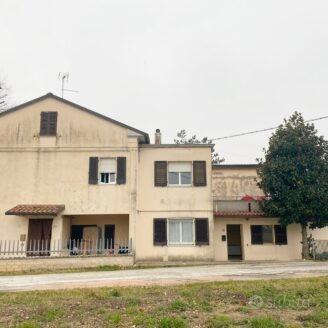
(180, 243)
(179, 174)
(109, 173)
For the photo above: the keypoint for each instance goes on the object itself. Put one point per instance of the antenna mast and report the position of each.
(64, 79)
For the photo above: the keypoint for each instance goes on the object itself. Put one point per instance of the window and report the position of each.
(263, 234)
(181, 232)
(48, 123)
(256, 235)
(179, 174)
(267, 234)
(107, 170)
(280, 235)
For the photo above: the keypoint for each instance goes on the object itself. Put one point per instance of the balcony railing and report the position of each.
(71, 247)
(235, 205)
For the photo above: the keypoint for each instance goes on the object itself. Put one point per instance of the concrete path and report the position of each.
(168, 275)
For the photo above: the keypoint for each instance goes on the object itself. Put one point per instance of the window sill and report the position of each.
(181, 245)
(107, 184)
(179, 186)
(269, 244)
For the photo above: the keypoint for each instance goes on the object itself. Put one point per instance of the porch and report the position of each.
(70, 235)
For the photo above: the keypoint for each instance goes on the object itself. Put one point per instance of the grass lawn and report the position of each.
(254, 304)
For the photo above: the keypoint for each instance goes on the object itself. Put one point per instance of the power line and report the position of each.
(262, 130)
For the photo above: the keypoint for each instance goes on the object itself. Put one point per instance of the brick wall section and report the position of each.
(10, 265)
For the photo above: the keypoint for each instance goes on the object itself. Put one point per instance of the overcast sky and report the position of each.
(214, 68)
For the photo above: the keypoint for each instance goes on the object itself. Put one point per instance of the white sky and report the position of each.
(214, 68)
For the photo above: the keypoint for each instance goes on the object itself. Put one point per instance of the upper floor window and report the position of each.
(107, 170)
(48, 123)
(179, 174)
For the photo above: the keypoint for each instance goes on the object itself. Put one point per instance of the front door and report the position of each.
(234, 242)
(39, 237)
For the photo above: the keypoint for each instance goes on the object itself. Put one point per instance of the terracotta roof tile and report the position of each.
(244, 214)
(24, 210)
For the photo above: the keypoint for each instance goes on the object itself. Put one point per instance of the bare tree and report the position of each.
(3, 96)
(183, 138)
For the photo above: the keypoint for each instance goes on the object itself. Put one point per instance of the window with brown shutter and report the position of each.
(121, 170)
(160, 232)
(160, 173)
(280, 234)
(48, 123)
(201, 231)
(199, 173)
(93, 170)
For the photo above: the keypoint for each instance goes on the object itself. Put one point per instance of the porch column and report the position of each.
(57, 235)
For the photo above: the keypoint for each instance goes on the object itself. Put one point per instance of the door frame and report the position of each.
(39, 249)
(241, 241)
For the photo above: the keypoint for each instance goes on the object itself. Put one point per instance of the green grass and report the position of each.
(283, 303)
(265, 322)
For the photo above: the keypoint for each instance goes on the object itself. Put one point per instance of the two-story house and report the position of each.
(75, 182)
(70, 175)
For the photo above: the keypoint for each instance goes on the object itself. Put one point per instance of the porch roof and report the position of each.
(36, 209)
(236, 214)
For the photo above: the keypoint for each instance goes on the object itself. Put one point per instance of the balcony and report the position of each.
(237, 208)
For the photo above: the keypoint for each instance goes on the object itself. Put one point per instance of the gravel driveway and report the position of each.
(165, 275)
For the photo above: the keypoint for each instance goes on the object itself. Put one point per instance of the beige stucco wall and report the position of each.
(54, 170)
(232, 183)
(171, 202)
(319, 234)
(291, 251)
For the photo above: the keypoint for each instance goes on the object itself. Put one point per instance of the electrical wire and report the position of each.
(262, 130)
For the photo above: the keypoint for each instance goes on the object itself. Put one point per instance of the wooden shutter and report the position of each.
(52, 127)
(160, 174)
(256, 235)
(48, 123)
(93, 170)
(121, 170)
(199, 173)
(280, 233)
(201, 232)
(160, 232)
(44, 123)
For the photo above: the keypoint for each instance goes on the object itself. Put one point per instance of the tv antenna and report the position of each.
(64, 79)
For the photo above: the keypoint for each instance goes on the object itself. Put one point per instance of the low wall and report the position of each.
(49, 263)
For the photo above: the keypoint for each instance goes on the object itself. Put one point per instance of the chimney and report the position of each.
(158, 137)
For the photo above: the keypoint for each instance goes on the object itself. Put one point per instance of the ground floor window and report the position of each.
(268, 234)
(181, 232)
